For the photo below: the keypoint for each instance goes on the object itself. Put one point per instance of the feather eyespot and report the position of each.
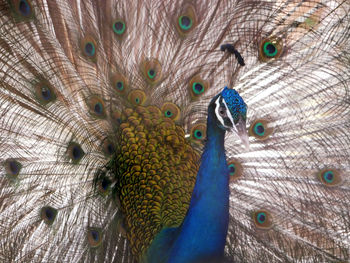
(96, 107)
(168, 114)
(22, 8)
(116, 117)
(104, 186)
(171, 111)
(197, 86)
(260, 129)
(270, 48)
(330, 177)
(262, 219)
(89, 48)
(12, 167)
(44, 93)
(235, 170)
(186, 21)
(105, 183)
(94, 237)
(232, 169)
(75, 152)
(137, 97)
(48, 214)
(198, 132)
(119, 27)
(108, 147)
(152, 71)
(119, 83)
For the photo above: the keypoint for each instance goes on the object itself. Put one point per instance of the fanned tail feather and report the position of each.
(68, 69)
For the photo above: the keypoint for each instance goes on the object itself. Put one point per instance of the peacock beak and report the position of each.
(240, 129)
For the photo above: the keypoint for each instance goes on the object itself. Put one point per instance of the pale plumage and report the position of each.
(69, 68)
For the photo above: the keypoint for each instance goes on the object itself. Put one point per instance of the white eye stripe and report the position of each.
(229, 115)
(228, 112)
(217, 103)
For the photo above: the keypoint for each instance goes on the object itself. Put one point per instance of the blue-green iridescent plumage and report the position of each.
(119, 144)
(235, 103)
(202, 235)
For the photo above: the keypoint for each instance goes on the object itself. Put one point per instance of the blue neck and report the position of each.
(203, 233)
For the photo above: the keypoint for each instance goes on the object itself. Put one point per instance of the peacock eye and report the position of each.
(96, 107)
(104, 186)
(119, 82)
(185, 22)
(108, 147)
(94, 236)
(235, 170)
(119, 27)
(12, 167)
(24, 8)
(222, 111)
(198, 86)
(105, 183)
(261, 129)
(152, 70)
(171, 110)
(330, 177)
(198, 132)
(262, 219)
(120, 85)
(44, 92)
(75, 152)
(137, 97)
(90, 49)
(151, 73)
(232, 169)
(48, 214)
(270, 48)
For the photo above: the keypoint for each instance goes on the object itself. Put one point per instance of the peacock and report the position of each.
(183, 131)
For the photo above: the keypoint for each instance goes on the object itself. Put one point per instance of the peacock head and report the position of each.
(231, 113)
